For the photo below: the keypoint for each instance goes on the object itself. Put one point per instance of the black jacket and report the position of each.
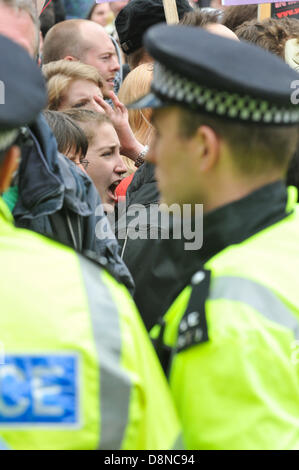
(58, 200)
(161, 268)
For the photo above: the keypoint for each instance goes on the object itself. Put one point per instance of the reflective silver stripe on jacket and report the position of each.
(115, 384)
(179, 443)
(256, 296)
(3, 445)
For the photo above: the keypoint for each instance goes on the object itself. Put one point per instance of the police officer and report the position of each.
(227, 126)
(77, 370)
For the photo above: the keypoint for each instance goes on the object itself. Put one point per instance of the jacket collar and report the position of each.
(239, 220)
(46, 181)
(143, 188)
(41, 189)
(228, 225)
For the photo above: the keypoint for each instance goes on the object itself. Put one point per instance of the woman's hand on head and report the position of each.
(119, 116)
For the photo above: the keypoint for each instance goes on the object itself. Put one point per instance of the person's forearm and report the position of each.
(131, 148)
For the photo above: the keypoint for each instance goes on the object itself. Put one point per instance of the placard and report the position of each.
(285, 10)
(245, 2)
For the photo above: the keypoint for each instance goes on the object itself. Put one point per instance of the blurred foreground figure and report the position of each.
(49, 195)
(281, 37)
(77, 370)
(227, 128)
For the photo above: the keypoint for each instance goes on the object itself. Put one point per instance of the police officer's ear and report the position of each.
(208, 144)
(8, 166)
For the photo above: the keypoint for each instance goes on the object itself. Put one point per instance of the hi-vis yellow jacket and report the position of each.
(77, 370)
(233, 338)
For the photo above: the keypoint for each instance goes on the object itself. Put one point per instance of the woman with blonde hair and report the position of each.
(137, 84)
(72, 84)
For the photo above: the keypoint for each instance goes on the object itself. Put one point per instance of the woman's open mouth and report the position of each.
(111, 190)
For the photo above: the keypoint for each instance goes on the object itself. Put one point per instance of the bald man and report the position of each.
(85, 41)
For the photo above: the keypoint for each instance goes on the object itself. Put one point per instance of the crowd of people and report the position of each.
(149, 179)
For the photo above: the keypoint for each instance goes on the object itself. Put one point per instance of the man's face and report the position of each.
(174, 159)
(101, 52)
(19, 27)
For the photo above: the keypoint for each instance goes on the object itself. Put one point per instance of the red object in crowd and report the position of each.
(50, 1)
(121, 189)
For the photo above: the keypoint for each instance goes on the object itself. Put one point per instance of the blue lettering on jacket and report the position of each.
(39, 389)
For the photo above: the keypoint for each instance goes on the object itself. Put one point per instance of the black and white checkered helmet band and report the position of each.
(174, 87)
